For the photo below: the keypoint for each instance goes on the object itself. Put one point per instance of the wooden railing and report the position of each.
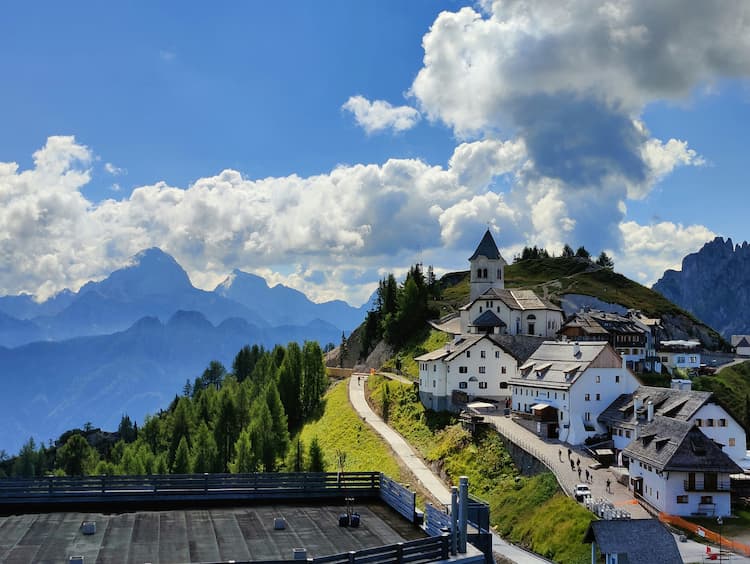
(422, 550)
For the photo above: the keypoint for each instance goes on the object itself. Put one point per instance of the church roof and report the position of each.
(486, 248)
(488, 319)
(743, 343)
(519, 300)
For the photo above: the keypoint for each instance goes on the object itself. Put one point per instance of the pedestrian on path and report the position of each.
(570, 454)
(572, 466)
(579, 473)
(559, 454)
(587, 475)
(578, 463)
(609, 489)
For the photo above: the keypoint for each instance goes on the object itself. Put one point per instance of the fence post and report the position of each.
(104, 487)
(49, 485)
(400, 552)
(352, 556)
(444, 552)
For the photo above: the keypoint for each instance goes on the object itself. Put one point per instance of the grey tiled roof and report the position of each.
(643, 541)
(520, 347)
(678, 404)
(519, 300)
(599, 322)
(555, 365)
(487, 248)
(488, 319)
(671, 444)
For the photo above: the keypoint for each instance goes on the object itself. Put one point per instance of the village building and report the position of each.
(741, 344)
(472, 367)
(495, 332)
(631, 335)
(632, 541)
(677, 469)
(629, 413)
(680, 355)
(563, 387)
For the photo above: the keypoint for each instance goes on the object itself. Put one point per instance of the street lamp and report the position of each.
(720, 522)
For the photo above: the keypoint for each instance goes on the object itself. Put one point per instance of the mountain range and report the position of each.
(128, 343)
(714, 285)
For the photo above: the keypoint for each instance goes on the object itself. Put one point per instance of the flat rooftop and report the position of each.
(199, 535)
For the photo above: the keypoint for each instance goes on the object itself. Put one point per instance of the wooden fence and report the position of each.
(430, 549)
(398, 497)
(726, 544)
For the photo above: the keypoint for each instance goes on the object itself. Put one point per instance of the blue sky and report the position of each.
(323, 144)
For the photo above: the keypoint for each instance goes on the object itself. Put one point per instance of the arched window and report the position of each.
(485, 273)
(479, 272)
(499, 274)
(473, 379)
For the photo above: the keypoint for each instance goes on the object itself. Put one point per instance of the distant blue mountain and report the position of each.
(49, 387)
(283, 305)
(154, 284)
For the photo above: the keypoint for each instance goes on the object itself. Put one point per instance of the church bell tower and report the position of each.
(487, 267)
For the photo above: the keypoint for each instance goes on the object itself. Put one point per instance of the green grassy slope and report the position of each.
(731, 386)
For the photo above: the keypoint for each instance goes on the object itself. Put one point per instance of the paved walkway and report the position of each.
(426, 477)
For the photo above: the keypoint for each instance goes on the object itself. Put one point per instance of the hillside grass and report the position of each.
(731, 386)
(422, 344)
(529, 511)
(340, 428)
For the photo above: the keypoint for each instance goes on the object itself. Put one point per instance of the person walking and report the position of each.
(559, 454)
(579, 473)
(609, 482)
(587, 474)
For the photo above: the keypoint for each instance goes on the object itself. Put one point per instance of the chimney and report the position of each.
(576, 350)
(637, 403)
(650, 412)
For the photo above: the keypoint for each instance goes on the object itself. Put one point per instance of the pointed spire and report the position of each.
(486, 248)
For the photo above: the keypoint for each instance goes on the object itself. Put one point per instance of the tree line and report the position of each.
(238, 421)
(400, 310)
(528, 253)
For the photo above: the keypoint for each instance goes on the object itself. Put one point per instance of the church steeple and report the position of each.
(487, 267)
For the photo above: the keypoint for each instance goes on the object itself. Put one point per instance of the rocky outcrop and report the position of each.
(714, 285)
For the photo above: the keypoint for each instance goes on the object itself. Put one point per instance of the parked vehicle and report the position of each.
(582, 491)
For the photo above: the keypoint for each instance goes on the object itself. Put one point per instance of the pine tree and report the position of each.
(289, 384)
(181, 464)
(205, 452)
(244, 459)
(315, 456)
(567, 251)
(25, 464)
(77, 457)
(581, 252)
(226, 430)
(605, 261)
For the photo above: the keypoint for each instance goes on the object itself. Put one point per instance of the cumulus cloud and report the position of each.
(648, 250)
(379, 115)
(114, 170)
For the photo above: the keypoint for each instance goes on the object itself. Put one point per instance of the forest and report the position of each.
(223, 421)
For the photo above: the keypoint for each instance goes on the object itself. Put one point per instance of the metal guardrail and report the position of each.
(422, 550)
(261, 485)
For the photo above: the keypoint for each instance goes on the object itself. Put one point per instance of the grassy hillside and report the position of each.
(340, 429)
(422, 344)
(528, 511)
(731, 386)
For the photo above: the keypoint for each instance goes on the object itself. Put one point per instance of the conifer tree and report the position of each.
(244, 459)
(205, 453)
(315, 456)
(181, 463)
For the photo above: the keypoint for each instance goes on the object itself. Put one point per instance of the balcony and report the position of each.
(703, 486)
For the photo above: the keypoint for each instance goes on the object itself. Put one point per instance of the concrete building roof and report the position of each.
(199, 535)
(671, 444)
(637, 541)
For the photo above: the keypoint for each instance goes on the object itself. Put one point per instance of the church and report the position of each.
(499, 329)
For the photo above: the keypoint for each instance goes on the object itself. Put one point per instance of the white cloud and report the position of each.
(338, 229)
(379, 115)
(649, 250)
(114, 170)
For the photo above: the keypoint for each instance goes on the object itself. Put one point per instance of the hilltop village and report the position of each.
(575, 381)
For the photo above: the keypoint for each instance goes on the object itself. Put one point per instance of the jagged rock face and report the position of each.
(714, 285)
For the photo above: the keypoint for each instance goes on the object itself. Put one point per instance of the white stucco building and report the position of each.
(565, 386)
(677, 469)
(629, 413)
(681, 355)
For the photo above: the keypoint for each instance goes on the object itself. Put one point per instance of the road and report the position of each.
(426, 477)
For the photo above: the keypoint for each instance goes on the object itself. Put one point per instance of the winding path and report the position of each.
(426, 477)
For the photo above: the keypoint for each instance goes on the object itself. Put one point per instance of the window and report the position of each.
(482, 354)
(680, 360)
(503, 370)
(480, 309)
(434, 367)
(709, 422)
(707, 499)
(481, 369)
(497, 354)
(468, 354)
(617, 378)
(598, 397)
(693, 359)
(433, 383)
(484, 273)
(482, 385)
(598, 379)
(479, 272)
(463, 385)
(682, 499)
(699, 422)
(499, 274)
(627, 434)
(503, 385)
(587, 416)
(731, 442)
(587, 397)
(722, 422)
(462, 369)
